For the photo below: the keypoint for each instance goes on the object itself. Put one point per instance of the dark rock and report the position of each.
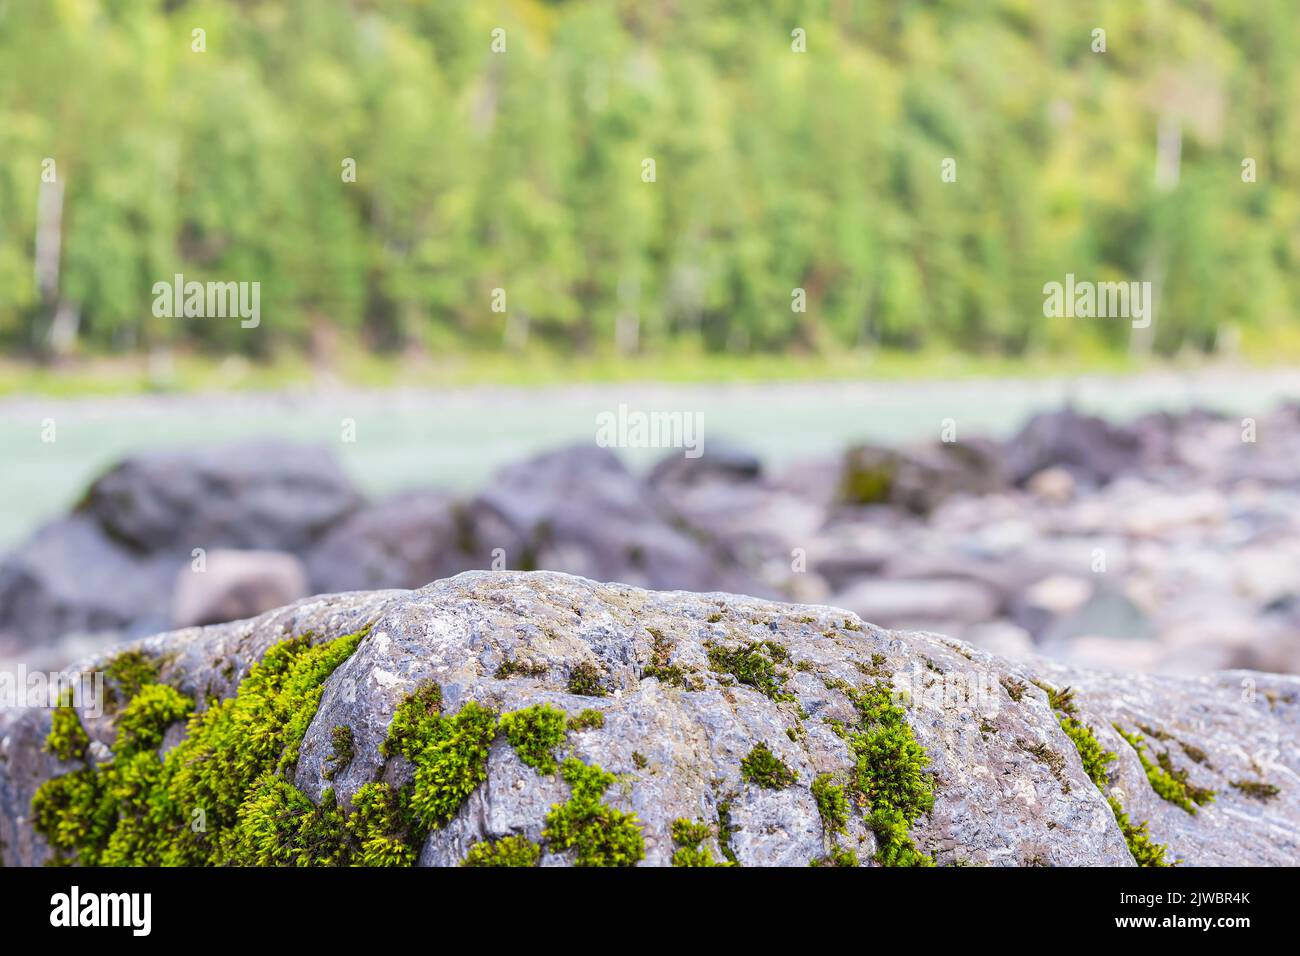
(408, 540)
(1090, 448)
(919, 479)
(259, 495)
(580, 510)
(72, 578)
(719, 460)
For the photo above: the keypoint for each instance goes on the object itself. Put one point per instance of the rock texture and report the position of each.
(1009, 785)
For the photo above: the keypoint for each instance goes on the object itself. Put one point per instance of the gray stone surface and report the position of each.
(996, 802)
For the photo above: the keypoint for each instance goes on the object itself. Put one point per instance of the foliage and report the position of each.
(1169, 782)
(588, 719)
(146, 718)
(218, 796)
(756, 664)
(831, 803)
(1145, 851)
(776, 170)
(126, 674)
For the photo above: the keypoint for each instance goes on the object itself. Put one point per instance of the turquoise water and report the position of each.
(455, 439)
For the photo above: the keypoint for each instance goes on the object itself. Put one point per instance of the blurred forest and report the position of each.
(522, 170)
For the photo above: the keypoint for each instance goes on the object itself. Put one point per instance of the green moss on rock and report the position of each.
(127, 673)
(210, 796)
(588, 719)
(599, 834)
(507, 851)
(535, 732)
(1169, 782)
(889, 774)
(145, 719)
(344, 749)
(764, 768)
(689, 837)
(1145, 851)
(67, 739)
(831, 803)
(756, 664)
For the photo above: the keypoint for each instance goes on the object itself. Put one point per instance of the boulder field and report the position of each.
(537, 718)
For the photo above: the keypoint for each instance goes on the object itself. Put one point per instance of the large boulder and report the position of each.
(109, 568)
(919, 479)
(1091, 449)
(580, 510)
(407, 540)
(730, 727)
(255, 495)
(71, 577)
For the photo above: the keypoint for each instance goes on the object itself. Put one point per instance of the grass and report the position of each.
(187, 372)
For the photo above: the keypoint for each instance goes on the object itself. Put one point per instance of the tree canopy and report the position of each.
(502, 145)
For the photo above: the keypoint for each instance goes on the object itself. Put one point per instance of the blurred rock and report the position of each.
(1002, 638)
(1105, 614)
(71, 578)
(580, 510)
(720, 460)
(919, 479)
(408, 540)
(234, 585)
(257, 495)
(1091, 449)
(896, 603)
(1053, 484)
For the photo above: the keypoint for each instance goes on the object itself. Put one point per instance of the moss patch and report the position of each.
(1145, 851)
(219, 795)
(507, 851)
(587, 680)
(126, 674)
(839, 856)
(589, 719)
(599, 834)
(659, 668)
(832, 804)
(1169, 782)
(535, 732)
(889, 774)
(67, 739)
(757, 664)
(689, 838)
(1256, 789)
(764, 768)
(344, 749)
